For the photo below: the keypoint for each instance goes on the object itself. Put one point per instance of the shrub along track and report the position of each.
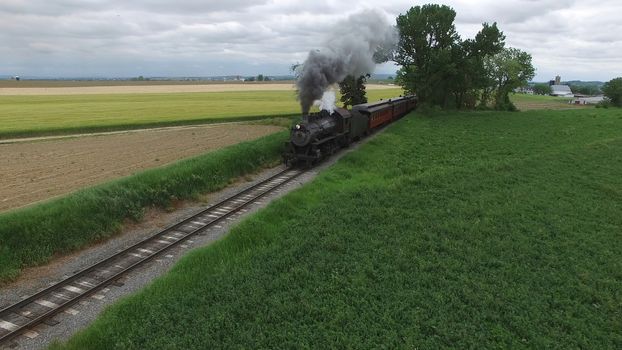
(17, 318)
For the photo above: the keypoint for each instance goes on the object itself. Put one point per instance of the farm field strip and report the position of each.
(38, 171)
(266, 121)
(36, 115)
(157, 89)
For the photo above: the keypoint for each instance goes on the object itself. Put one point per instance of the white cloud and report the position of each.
(576, 39)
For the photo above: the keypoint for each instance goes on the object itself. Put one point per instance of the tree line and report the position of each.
(259, 77)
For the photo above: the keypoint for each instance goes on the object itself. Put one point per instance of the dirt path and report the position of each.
(31, 172)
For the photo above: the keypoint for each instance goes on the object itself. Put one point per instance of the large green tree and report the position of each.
(613, 91)
(405, 77)
(427, 39)
(509, 69)
(439, 67)
(472, 84)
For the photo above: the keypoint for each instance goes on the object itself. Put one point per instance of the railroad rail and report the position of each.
(20, 317)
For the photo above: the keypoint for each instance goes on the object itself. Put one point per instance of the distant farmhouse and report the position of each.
(524, 90)
(557, 89)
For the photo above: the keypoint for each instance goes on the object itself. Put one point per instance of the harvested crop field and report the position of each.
(15, 90)
(35, 171)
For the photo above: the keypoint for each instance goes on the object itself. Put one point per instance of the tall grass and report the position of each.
(31, 235)
(458, 230)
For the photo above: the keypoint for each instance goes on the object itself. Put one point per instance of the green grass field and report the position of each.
(40, 115)
(526, 102)
(457, 230)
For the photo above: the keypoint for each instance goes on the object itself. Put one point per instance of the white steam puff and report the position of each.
(353, 48)
(328, 101)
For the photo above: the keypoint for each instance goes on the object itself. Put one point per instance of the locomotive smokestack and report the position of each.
(353, 48)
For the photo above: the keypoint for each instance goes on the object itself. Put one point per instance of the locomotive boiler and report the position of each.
(317, 135)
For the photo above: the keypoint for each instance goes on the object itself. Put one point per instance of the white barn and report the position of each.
(561, 91)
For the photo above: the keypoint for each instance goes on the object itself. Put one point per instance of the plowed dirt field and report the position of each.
(35, 171)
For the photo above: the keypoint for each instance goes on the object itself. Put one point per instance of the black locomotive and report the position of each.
(319, 135)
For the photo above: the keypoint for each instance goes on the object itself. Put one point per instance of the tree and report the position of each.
(613, 91)
(488, 42)
(260, 77)
(436, 65)
(353, 90)
(542, 89)
(509, 69)
(471, 83)
(405, 77)
(427, 38)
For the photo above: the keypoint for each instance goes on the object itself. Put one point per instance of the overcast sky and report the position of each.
(124, 38)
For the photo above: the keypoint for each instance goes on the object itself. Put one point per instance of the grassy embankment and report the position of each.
(22, 116)
(460, 230)
(32, 235)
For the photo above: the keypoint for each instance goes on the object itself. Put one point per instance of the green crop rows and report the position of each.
(457, 230)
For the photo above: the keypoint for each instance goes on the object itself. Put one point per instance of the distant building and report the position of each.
(561, 91)
(524, 90)
(587, 100)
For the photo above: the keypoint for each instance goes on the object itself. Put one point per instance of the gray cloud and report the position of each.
(576, 39)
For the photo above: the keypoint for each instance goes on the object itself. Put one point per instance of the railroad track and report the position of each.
(20, 317)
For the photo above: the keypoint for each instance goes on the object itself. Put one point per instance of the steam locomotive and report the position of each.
(320, 134)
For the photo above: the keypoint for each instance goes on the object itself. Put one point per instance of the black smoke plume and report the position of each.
(354, 48)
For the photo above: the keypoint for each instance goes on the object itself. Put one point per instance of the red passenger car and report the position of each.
(379, 113)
